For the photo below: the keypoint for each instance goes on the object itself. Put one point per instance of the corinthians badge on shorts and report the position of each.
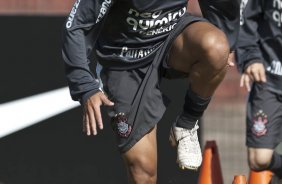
(260, 120)
(121, 125)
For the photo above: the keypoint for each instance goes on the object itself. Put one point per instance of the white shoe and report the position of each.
(189, 154)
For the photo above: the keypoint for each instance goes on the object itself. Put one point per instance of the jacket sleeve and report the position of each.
(247, 51)
(225, 14)
(79, 36)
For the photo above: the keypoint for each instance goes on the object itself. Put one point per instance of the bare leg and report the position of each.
(202, 51)
(141, 160)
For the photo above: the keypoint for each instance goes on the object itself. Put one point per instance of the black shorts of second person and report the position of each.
(264, 118)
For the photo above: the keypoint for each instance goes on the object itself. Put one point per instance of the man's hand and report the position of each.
(253, 73)
(92, 113)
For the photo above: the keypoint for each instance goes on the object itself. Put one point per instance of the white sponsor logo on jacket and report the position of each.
(72, 14)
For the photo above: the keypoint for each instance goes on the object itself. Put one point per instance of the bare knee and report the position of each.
(142, 170)
(259, 163)
(260, 159)
(215, 49)
(200, 44)
(141, 160)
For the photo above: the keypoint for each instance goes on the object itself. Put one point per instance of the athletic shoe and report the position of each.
(189, 154)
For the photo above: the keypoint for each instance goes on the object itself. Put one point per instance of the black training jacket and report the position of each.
(260, 39)
(123, 34)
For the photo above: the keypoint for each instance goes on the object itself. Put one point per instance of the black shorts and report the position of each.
(264, 118)
(139, 103)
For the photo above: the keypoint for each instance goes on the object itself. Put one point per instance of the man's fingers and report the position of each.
(106, 101)
(259, 75)
(256, 76)
(242, 80)
(245, 81)
(98, 116)
(87, 125)
(256, 72)
(92, 121)
(262, 75)
(230, 61)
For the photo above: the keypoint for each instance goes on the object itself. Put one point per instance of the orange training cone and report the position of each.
(239, 179)
(210, 172)
(260, 177)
